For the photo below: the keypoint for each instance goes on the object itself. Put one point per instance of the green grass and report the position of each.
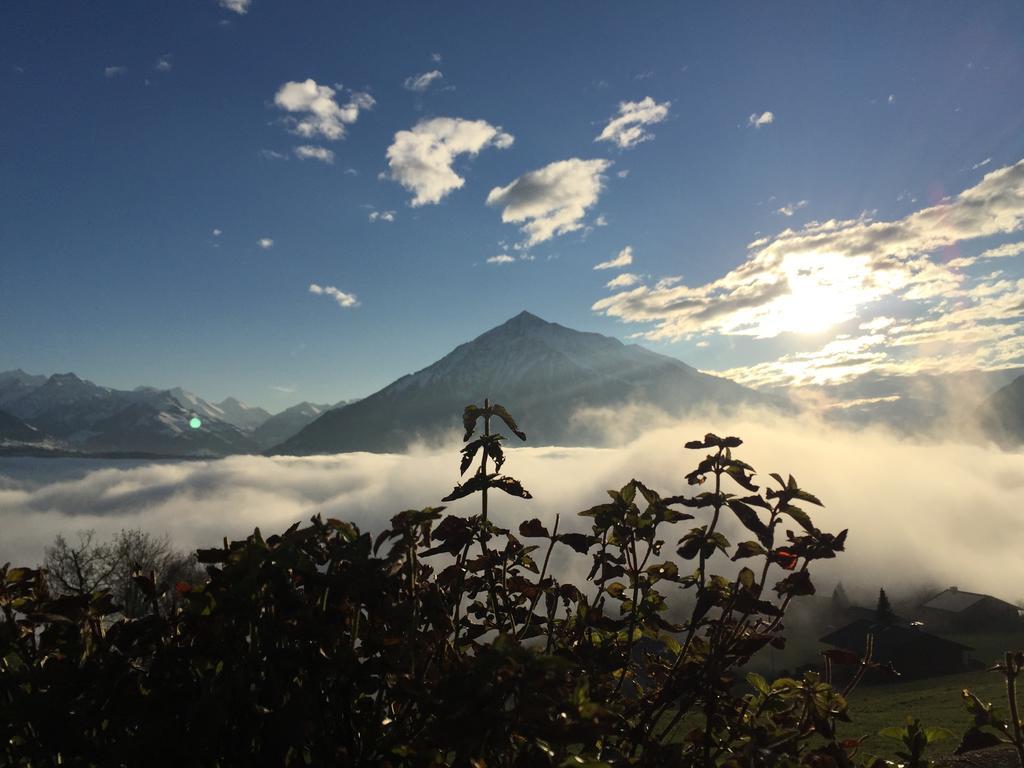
(936, 702)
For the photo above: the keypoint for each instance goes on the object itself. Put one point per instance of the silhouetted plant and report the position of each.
(442, 642)
(990, 728)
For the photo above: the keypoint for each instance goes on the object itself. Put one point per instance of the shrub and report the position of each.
(445, 640)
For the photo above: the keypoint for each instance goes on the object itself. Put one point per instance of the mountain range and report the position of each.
(66, 414)
(546, 374)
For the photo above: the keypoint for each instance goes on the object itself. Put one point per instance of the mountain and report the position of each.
(14, 430)
(278, 428)
(245, 417)
(542, 372)
(17, 383)
(160, 424)
(78, 415)
(1002, 415)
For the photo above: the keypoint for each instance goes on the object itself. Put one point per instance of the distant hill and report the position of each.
(542, 371)
(1002, 415)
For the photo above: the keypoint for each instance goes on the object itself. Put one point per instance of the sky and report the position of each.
(288, 201)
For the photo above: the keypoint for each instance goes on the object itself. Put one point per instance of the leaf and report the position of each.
(578, 541)
(801, 517)
(469, 417)
(758, 683)
(615, 589)
(740, 476)
(749, 518)
(798, 583)
(746, 577)
(533, 529)
(505, 416)
(749, 549)
(511, 486)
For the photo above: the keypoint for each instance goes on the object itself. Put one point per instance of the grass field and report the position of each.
(936, 702)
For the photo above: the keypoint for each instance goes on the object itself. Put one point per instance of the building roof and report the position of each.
(888, 638)
(956, 600)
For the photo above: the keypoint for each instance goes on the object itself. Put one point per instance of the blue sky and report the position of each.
(135, 130)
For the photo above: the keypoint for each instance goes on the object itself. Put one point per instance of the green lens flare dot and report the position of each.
(195, 422)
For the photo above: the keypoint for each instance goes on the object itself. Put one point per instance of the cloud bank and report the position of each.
(918, 514)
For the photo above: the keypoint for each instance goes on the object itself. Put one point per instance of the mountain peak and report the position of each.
(525, 320)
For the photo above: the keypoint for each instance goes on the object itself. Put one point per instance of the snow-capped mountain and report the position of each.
(541, 371)
(288, 422)
(245, 417)
(79, 415)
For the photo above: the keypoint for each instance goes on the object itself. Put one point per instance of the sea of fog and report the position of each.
(935, 514)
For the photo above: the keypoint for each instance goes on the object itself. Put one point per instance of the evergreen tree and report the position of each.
(884, 613)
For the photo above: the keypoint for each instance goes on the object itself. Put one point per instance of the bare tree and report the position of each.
(90, 566)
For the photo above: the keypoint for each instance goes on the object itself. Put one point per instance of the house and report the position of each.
(911, 651)
(956, 610)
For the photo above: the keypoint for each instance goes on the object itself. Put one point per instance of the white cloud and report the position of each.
(265, 243)
(551, 200)
(815, 279)
(624, 259)
(421, 159)
(629, 128)
(270, 154)
(939, 487)
(345, 300)
(601, 221)
(790, 208)
(892, 98)
(285, 390)
(217, 232)
(1003, 251)
(116, 71)
(765, 118)
(351, 172)
(624, 280)
(982, 164)
(623, 173)
(322, 115)
(503, 258)
(436, 58)
(420, 83)
(382, 216)
(164, 63)
(309, 152)
(238, 6)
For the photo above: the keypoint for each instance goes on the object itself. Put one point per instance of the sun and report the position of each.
(825, 289)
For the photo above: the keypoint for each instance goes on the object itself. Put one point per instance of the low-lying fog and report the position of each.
(938, 514)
